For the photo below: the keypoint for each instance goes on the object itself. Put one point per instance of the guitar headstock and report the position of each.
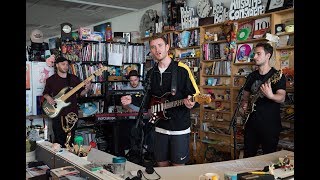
(276, 76)
(203, 98)
(100, 70)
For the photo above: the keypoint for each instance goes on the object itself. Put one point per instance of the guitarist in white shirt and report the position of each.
(54, 84)
(263, 124)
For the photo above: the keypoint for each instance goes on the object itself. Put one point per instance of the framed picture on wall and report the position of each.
(276, 5)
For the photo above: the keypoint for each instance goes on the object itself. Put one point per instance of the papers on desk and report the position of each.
(243, 165)
(37, 171)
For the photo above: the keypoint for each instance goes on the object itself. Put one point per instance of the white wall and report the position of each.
(127, 22)
(131, 21)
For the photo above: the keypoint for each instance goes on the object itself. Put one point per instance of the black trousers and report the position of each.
(60, 136)
(254, 137)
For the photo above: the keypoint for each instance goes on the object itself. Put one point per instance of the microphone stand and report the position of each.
(233, 122)
(137, 132)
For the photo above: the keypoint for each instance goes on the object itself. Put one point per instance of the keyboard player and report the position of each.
(134, 84)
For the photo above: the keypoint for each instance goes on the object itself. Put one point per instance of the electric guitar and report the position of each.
(254, 97)
(159, 105)
(53, 110)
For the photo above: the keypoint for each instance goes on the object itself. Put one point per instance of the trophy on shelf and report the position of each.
(71, 119)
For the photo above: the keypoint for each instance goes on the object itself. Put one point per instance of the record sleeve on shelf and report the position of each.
(245, 30)
(243, 53)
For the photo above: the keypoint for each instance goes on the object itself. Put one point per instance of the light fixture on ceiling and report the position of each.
(102, 5)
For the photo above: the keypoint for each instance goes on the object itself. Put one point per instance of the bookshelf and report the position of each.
(215, 118)
(88, 56)
(214, 124)
(284, 57)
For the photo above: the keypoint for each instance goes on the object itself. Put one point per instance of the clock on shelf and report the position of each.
(66, 33)
(204, 8)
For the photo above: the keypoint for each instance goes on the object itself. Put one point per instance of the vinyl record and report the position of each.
(243, 52)
(243, 34)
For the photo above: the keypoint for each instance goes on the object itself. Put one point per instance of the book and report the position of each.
(38, 170)
(63, 172)
(261, 27)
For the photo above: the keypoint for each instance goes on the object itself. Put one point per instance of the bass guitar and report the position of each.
(159, 105)
(53, 110)
(254, 97)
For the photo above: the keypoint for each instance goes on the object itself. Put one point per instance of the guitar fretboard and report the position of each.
(167, 105)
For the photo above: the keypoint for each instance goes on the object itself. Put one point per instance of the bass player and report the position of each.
(54, 84)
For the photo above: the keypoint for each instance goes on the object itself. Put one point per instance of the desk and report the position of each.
(192, 172)
(188, 172)
(45, 153)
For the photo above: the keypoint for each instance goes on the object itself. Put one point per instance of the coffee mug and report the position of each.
(209, 176)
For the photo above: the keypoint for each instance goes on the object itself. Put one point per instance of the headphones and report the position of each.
(149, 170)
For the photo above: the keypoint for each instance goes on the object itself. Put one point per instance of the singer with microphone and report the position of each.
(169, 81)
(263, 93)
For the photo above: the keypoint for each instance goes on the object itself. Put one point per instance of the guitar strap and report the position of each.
(68, 80)
(174, 78)
(268, 75)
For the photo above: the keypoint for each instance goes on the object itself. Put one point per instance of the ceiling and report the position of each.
(47, 15)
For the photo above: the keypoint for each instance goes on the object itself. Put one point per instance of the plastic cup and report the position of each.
(119, 165)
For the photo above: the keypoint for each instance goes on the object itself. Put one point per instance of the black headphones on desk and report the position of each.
(149, 170)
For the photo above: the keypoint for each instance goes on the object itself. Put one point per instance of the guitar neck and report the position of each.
(75, 89)
(176, 103)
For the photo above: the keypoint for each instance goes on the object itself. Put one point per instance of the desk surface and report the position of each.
(188, 172)
(94, 155)
(192, 172)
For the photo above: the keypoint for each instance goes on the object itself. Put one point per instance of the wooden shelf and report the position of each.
(213, 60)
(224, 112)
(215, 42)
(285, 47)
(239, 76)
(186, 58)
(189, 47)
(289, 89)
(31, 117)
(220, 100)
(216, 76)
(188, 29)
(212, 25)
(242, 64)
(215, 87)
(285, 33)
(252, 40)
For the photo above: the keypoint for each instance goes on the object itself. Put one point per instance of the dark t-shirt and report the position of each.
(55, 83)
(267, 112)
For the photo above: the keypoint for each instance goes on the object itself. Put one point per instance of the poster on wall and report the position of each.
(40, 72)
(28, 102)
(28, 75)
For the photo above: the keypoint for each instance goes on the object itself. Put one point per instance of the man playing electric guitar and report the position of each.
(264, 123)
(54, 84)
(171, 141)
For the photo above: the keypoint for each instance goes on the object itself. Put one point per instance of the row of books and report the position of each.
(100, 52)
(219, 68)
(125, 53)
(83, 71)
(93, 52)
(213, 51)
